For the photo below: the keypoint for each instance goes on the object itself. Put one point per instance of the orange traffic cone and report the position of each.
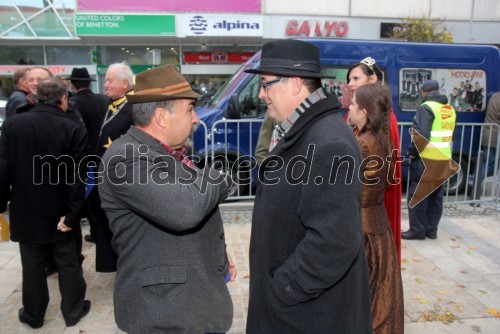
(4, 229)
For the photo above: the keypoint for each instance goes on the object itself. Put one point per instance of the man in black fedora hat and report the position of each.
(308, 271)
(166, 224)
(92, 107)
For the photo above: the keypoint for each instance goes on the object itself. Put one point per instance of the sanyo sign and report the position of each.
(316, 28)
(221, 25)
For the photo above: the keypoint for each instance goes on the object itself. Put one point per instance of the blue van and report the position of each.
(233, 115)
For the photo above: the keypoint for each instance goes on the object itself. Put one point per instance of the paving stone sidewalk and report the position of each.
(451, 285)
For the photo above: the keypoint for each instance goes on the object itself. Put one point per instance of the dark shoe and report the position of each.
(409, 235)
(23, 319)
(89, 238)
(85, 311)
(50, 270)
(431, 235)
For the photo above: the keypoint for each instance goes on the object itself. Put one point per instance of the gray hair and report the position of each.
(142, 113)
(124, 72)
(51, 91)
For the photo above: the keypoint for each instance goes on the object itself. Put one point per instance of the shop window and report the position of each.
(138, 55)
(69, 55)
(21, 55)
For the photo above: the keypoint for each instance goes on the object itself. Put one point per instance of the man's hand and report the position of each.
(62, 227)
(232, 269)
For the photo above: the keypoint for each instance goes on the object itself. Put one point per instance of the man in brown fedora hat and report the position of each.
(164, 215)
(92, 107)
(308, 271)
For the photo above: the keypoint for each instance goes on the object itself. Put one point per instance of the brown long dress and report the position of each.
(386, 286)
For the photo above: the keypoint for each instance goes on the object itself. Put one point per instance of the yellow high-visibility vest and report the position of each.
(440, 142)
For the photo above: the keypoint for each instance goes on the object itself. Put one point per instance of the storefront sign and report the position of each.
(317, 28)
(224, 6)
(220, 25)
(117, 24)
(216, 57)
(54, 69)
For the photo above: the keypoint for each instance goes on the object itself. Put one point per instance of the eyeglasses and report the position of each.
(266, 84)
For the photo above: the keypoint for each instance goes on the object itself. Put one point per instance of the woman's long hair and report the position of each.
(376, 99)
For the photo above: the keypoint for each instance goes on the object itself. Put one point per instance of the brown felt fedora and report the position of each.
(160, 84)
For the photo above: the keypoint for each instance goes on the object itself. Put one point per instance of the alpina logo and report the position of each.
(198, 25)
(236, 25)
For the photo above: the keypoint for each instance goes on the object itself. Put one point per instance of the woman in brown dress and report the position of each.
(370, 112)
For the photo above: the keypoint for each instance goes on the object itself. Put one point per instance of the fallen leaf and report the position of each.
(422, 300)
(472, 247)
(418, 280)
(469, 252)
(494, 312)
(447, 317)
(444, 293)
(404, 261)
(463, 272)
(428, 316)
(482, 291)
(416, 259)
(461, 285)
(455, 246)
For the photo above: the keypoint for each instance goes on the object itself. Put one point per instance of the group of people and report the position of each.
(50, 151)
(324, 253)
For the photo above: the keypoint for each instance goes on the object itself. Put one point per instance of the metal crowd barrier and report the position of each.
(234, 141)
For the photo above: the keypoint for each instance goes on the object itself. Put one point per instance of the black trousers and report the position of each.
(425, 216)
(34, 258)
(105, 257)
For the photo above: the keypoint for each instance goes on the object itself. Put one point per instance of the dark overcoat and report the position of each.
(92, 107)
(168, 234)
(308, 271)
(40, 151)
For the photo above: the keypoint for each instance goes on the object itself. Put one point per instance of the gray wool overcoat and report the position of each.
(308, 271)
(169, 238)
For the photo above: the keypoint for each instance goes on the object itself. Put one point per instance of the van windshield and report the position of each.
(236, 79)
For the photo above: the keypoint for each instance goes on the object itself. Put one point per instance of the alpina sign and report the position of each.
(217, 25)
(317, 28)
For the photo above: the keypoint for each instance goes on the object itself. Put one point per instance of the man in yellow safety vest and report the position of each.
(435, 121)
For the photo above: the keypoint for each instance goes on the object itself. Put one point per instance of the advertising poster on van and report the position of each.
(465, 89)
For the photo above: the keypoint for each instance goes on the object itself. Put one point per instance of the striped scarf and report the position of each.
(280, 130)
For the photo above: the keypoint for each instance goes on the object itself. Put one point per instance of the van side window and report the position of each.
(465, 88)
(250, 103)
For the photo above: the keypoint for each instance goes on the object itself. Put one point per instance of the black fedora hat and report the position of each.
(80, 74)
(291, 58)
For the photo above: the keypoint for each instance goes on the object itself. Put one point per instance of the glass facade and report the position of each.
(138, 55)
(44, 19)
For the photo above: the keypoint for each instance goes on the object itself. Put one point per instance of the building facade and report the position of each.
(208, 41)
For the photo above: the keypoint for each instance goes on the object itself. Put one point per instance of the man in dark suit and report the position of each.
(18, 96)
(92, 107)
(308, 271)
(39, 154)
(164, 215)
(117, 120)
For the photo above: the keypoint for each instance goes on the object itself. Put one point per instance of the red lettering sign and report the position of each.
(313, 28)
(239, 57)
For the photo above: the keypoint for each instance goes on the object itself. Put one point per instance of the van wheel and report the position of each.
(239, 177)
(456, 184)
